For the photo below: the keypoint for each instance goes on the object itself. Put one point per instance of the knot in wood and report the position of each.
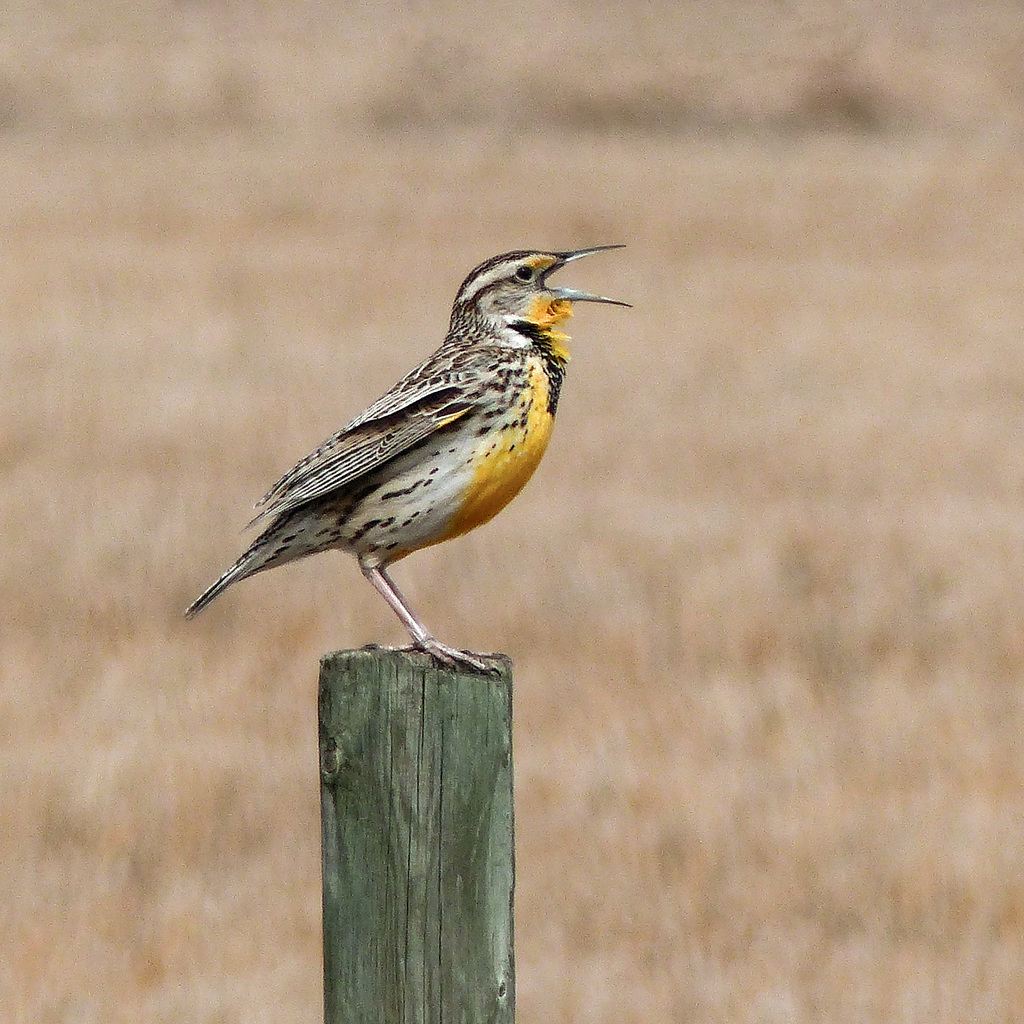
(330, 760)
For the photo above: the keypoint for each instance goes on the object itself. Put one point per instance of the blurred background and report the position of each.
(764, 595)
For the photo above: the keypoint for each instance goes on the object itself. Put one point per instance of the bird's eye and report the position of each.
(525, 273)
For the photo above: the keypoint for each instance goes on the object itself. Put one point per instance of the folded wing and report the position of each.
(408, 414)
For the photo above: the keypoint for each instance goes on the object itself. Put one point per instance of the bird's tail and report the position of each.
(242, 568)
(281, 542)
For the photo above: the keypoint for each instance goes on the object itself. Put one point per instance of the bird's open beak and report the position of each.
(571, 293)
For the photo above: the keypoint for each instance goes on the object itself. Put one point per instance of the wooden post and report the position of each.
(417, 821)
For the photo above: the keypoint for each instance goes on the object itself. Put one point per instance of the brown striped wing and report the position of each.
(392, 425)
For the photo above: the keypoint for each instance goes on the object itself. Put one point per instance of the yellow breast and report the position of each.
(506, 458)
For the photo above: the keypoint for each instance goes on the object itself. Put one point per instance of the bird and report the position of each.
(443, 451)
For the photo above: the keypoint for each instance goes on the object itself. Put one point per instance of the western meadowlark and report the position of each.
(444, 450)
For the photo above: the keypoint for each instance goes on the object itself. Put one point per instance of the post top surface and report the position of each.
(399, 658)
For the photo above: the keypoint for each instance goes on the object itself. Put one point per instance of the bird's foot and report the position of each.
(453, 657)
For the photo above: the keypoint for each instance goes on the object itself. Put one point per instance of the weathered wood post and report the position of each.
(417, 822)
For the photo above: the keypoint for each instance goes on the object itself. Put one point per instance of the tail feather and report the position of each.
(242, 568)
(281, 542)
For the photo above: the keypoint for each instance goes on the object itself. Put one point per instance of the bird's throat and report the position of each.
(545, 315)
(548, 312)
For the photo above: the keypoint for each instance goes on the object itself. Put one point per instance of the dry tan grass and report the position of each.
(764, 597)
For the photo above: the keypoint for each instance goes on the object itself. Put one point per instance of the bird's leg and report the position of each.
(422, 638)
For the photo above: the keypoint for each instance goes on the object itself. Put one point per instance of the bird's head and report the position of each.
(509, 300)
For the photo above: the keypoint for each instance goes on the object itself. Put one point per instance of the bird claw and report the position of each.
(455, 658)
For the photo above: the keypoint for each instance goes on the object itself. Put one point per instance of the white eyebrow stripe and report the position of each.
(484, 281)
(501, 271)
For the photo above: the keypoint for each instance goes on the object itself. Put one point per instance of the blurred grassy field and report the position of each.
(765, 595)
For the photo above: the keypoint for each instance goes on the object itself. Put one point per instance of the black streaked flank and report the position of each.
(402, 492)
